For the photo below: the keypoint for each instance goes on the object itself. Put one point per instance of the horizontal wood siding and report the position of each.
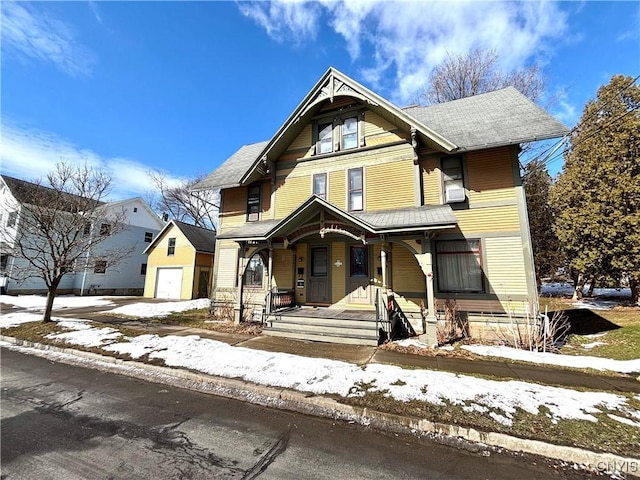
(338, 288)
(291, 193)
(490, 219)
(430, 181)
(303, 140)
(226, 267)
(283, 268)
(337, 189)
(234, 208)
(389, 185)
(377, 130)
(488, 307)
(504, 267)
(490, 175)
(407, 274)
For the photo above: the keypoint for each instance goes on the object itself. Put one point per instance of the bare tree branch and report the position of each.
(63, 226)
(182, 204)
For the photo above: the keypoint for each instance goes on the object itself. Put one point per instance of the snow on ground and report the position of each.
(146, 309)
(597, 363)
(557, 289)
(14, 319)
(575, 361)
(599, 302)
(38, 302)
(498, 399)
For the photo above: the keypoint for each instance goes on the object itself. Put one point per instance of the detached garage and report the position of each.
(180, 262)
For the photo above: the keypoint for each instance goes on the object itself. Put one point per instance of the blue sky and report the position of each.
(179, 86)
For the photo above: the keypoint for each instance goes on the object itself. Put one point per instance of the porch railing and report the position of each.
(279, 300)
(383, 322)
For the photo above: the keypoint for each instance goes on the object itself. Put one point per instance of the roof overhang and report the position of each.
(317, 216)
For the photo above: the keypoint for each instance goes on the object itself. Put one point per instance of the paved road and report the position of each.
(66, 422)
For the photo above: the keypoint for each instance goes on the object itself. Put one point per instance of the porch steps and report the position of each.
(333, 330)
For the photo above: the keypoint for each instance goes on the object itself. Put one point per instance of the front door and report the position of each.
(318, 291)
(359, 284)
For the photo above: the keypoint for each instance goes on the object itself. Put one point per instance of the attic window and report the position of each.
(325, 138)
(337, 134)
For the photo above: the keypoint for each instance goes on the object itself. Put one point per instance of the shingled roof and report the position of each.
(27, 192)
(499, 118)
(502, 117)
(202, 239)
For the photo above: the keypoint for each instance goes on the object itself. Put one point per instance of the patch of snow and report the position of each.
(576, 361)
(591, 345)
(557, 289)
(83, 333)
(594, 335)
(14, 319)
(411, 342)
(39, 302)
(447, 348)
(595, 304)
(626, 421)
(147, 310)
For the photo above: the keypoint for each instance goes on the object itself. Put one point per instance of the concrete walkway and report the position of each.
(362, 355)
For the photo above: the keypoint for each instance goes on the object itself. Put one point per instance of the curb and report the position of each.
(326, 407)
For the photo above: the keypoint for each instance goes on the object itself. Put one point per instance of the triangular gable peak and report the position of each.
(332, 87)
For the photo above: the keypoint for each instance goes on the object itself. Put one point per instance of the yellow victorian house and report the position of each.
(358, 218)
(180, 262)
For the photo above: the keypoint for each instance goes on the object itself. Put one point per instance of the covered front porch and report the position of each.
(329, 275)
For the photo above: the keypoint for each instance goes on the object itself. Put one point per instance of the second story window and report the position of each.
(100, 266)
(253, 203)
(453, 180)
(105, 229)
(320, 185)
(86, 230)
(148, 236)
(171, 248)
(355, 189)
(11, 219)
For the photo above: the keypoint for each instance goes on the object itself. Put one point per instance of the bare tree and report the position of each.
(476, 72)
(62, 227)
(179, 202)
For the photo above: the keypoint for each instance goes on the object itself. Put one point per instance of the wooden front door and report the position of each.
(318, 291)
(359, 275)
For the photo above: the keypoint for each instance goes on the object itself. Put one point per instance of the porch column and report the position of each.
(237, 313)
(426, 263)
(383, 260)
(269, 279)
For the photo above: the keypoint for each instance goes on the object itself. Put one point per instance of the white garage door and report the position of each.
(169, 283)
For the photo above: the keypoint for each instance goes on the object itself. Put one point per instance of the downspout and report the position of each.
(86, 264)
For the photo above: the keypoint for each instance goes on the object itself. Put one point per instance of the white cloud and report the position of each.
(408, 39)
(297, 19)
(30, 154)
(29, 33)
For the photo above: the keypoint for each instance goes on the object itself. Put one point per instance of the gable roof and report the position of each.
(499, 118)
(25, 192)
(202, 239)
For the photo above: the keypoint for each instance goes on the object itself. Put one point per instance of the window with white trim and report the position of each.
(320, 185)
(148, 237)
(459, 266)
(100, 266)
(171, 247)
(355, 189)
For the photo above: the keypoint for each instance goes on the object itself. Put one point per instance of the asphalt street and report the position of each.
(66, 422)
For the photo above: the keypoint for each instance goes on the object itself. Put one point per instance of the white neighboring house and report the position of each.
(126, 278)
